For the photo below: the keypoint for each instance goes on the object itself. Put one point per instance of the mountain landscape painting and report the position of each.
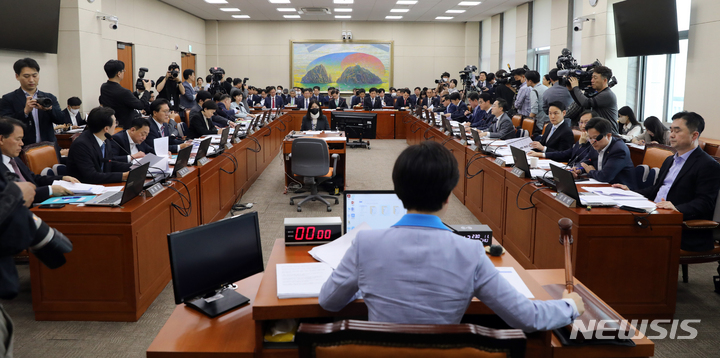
(343, 65)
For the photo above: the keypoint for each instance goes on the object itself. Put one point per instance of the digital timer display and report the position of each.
(319, 233)
(307, 231)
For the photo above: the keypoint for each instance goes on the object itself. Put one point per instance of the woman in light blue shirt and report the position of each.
(238, 106)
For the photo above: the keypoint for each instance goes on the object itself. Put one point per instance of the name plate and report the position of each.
(474, 148)
(237, 140)
(202, 161)
(228, 145)
(155, 189)
(566, 200)
(518, 172)
(463, 142)
(500, 162)
(183, 172)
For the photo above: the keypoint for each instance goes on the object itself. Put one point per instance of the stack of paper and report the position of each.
(79, 188)
(332, 252)
(521, 143)
(512, 276)
(545, 164)
(301, 280)
(624, 197)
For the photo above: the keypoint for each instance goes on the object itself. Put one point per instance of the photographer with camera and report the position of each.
(170, 86)
(604, 101)
(504, 89)
(557, 92)
(36, 109)
(120, 99)
(522, 101)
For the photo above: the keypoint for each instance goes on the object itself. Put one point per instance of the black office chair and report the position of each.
(310, 160)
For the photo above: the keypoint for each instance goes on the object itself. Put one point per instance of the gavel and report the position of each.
(566, 240)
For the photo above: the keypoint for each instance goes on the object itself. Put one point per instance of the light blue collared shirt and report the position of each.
(420, 272)
(678, 163)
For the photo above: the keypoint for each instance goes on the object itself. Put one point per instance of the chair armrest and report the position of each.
(700, 224)
(335, 159)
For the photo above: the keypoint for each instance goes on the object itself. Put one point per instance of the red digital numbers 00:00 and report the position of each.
(308, 233)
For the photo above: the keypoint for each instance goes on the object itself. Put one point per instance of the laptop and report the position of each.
(380, 209)
(521, 163)
(181, 161)
(223, 141)
(479, 145)
(133, 187)
(565, 183)
(447, 126)
(464, 137)
(201, 152)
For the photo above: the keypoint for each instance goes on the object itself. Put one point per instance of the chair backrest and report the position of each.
(711, 148)
(655, 155)
(546, 126)
(182, 129)
(177, 118)
(528, 124)
(351, 339)
(645, 177)
(577, 133)
(118, 130)
(517, 120)
(310, 157)
(39, 156)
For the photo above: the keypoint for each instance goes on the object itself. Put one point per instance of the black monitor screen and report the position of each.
(30, 25)
(646, 27)
(207, 257)
(350, 122)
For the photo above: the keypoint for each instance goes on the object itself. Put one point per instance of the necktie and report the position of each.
(102, 161)
(162, 131)
(373, 101)
(551, 132)
(272, 104)
(306, 103)
(15, 168)
(337, 103)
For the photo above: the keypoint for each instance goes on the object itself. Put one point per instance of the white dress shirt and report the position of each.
(601, 154)
(6, 161)
(133, 147)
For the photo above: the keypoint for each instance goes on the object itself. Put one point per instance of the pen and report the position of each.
(70, 197)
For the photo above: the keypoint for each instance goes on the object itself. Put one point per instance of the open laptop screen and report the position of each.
(378, 208)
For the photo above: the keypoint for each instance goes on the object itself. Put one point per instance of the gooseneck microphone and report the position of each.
(108, 136)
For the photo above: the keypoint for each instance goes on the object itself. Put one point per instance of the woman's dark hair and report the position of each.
(627, 111)
(234, 93)
(547, 78)
(99, 118)
(313, 101)
(658, 130)
(424, 175)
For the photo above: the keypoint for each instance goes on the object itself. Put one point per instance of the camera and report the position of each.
(216, 74)
(114, 26)
(579, 21)
(174, 70)
(568, 67)
(44, 102)
(139, 84)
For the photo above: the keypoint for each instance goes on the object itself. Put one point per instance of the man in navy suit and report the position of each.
(71, 114)
(610, 161)
(359, 100)
(372, 102)
(23, 104)
(304, 101)
(274, 100)
(403, 100)
(460, 108)
(318, 97)
(414, 97)
(90, 156)
(337, 102)
(159, 127)
(479, 117)
(558, 135)
(11, 143)
(132, 141)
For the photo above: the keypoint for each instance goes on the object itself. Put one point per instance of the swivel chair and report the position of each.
(310, 160)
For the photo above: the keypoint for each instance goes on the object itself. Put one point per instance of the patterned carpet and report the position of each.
(366, 169)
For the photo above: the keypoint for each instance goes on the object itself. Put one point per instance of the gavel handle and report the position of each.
(565, 225)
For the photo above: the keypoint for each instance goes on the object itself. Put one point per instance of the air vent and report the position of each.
(314, 11)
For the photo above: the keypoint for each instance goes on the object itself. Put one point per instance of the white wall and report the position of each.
(508, 44)
(486, 46)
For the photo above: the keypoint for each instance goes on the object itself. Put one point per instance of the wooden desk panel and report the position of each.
(473, 186)
(402, 119)
(458, 150)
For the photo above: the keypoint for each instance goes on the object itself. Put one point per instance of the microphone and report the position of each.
(577, 156)
(108, 136)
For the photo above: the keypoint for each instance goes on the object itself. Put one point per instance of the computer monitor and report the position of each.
(378, 208)
(565, 182)
(206, 259)
(521, 162)
(202, 149)
(355, 125)
(181, 160)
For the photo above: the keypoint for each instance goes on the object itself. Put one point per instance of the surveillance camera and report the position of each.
(579, 21)
(114, 25)
(349, 35)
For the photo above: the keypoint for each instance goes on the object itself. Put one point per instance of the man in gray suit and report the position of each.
(502, 128)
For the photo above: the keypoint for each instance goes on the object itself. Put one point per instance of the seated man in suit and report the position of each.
(305, 99)
(389, 98)
(201, 123)
(274, 100)
(420, 272)
(372, 102)
(90, 154)
(688, 181)
(337, 102)
(314, 119)
(132, 141)
(610, 161)
(447, 106)
(403, 100)
(383, 98)
(502, 128)
(359, 100)
(480, 118)
(224, 116)
(71, 114)
(579, 151)
(23, 104)
(415, 97)
(11, 143)
(317, 96)
(460, 108)
(160, 127)
(558, 136)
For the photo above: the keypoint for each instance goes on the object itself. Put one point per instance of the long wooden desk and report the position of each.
(386, 121)
(633, 269)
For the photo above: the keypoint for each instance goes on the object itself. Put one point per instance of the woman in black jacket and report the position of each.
(315, 120)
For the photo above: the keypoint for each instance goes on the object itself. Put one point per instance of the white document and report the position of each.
(161, 146)
(646, 205)
(512, 276)
(545, 164)
(149, 158)
(73, 131)
(614, 192)
(80, 188)
(589, 181)
(522, 143)
(333, 252)
(540, 173)
(301, 280)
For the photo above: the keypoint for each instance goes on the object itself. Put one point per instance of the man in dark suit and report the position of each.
(479, 116)
(90, 154)
(160, 127)
(579, 151)
(403, 100)
(688, 181)
(318, 97)
(337, 102)
(558, 136)
(503, 127)
(372, 102)
(201, 123)
(11, 142)
(458, 114)
(610, 161)
(359, 100)
(415, 96)
(388, 98)
(24, 104)
(274, 100)
(71, 114)
(132, 140)
(121, 99)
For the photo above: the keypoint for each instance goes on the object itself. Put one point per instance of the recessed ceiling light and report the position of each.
(469, 3)
(216, 1)
(229, 9)
(455, 11)
(280, 1)
(407, 2)
(343, 16)
(399, 10)
(393, 17)
(342, 1)
(444, 18)
(241, 16)
(291, 16)
(286, 9)
(343, 9)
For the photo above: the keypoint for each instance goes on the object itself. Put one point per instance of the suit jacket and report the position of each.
(173, 140)
(225, 115)
(562, 139)
(368, 104)
(357, 100)
(288, 99)
(436, 101)
(279, 103)
(693, 192)
(322, 124)
(42, 182)
(198, 126)
(389, 100)
(573, 156)
(90, 165)
(503, 128)
(300, 101)
(122, 101)
(13, 105)
(459, 113)
(66, 118)
(250, 99)
(413, 100)
(341, 103)
(121, 139)
(322, 100)
(401, 102)
(617, 167)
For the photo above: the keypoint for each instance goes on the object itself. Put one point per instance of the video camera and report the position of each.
(567, 67)
(217, 74)
(139, 84)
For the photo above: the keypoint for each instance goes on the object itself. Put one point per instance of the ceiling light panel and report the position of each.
(286, 9)
(399, 10)
(291, 16)
(407, 2)
(343, 16)
(229, 9)
(342, 1)
(392, 17)
(241, 16)
(455, 11)
(216, 1)
(343, 9)
(280, 1)
(444, 18)
(469, 3)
